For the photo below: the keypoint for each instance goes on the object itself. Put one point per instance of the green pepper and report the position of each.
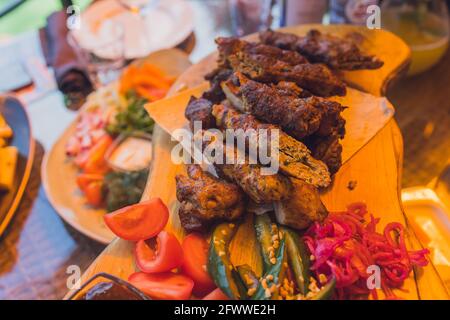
(326, 292)
(248, 277)
(219, 264)
(265, 235)
(299, 260)
(273, 272)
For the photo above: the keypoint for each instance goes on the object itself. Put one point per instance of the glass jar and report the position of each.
(423, 25)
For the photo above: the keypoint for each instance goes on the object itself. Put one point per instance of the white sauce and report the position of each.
(132, 154)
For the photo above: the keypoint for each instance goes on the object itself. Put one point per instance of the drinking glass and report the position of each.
(249, 16)
(423, 25)
(103, 54)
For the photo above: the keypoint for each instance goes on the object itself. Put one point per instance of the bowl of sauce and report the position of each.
(130, 153)
(104, 286)
(423, 25)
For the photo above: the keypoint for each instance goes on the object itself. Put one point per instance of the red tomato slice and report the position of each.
(159, 254)
(139, 221)
(216, 294)
(163, 286)
(194, 264)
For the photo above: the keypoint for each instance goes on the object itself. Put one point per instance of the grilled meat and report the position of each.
(281, 105)
(337, 53)
(261, 188)
(293, 156)
(199, 109)
(205, 199)
(215, 77)
(189, 219)
(328, 149)
(270, 64)
(301, 209)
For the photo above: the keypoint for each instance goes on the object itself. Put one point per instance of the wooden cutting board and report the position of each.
(376, 168)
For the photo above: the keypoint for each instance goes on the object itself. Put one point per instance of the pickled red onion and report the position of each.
(345, 245)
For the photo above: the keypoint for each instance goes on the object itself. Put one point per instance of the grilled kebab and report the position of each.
(205, 199)
(302, 208)
(271, 64)
(337, 53)
(293, 156)
(283, 105)
(260, 187)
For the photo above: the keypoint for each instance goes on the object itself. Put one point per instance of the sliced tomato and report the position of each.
(163, 286)
(216, 294)
(94, 193)
(84, 179)
(139, 221)
(160, 254)
(194, 264)
(96, 162)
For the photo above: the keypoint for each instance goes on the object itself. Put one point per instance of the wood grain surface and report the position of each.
(376, 168)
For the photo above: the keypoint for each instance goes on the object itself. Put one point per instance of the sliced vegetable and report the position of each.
(139, 221)
(216, 294)
(267, 235)
(219, 265)
(96, 162)
(163, 286)
(346, 243)
(298, 259)
(94, 194)
(194, 264)
(326, 292)
(160, 254)
(84, 179)
(248, 277)
(271, 279)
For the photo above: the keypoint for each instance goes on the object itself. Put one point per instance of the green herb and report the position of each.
(133, 118)
(124, 188)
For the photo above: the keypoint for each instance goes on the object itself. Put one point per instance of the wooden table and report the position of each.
(38, 246)
(422, 105)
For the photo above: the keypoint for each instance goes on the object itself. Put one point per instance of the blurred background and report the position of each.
(40, 66)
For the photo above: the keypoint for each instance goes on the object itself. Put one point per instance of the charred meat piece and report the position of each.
(189, 219)
(302, 209)
(215, 77)
(280, 105)
(260, 187)
(270, 64)
(328, 149)
(337, 53)
(291, 89)
(199, 109)
(294, 158)
(231, 46)
(205, 199)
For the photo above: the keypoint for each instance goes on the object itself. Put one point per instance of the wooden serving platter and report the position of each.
(376, 168)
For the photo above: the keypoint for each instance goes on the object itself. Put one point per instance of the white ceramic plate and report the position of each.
(164, 26)
(59, 173)
(430, 220)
